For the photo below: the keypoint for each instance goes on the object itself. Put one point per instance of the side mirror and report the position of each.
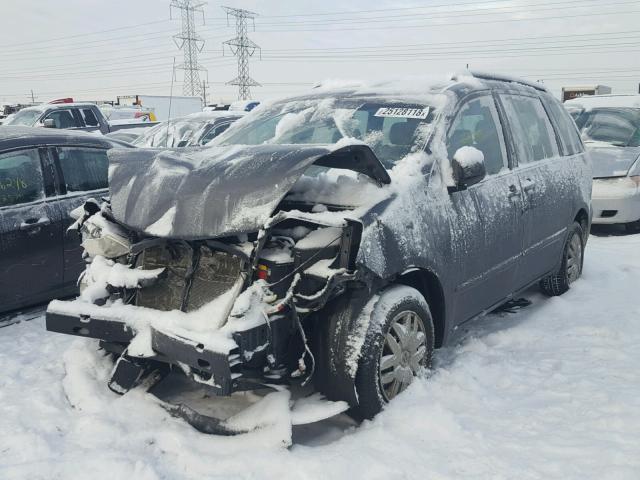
(182, 143)
(468, 166)
(49, 123)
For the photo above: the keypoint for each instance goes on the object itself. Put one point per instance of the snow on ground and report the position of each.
(550, 392)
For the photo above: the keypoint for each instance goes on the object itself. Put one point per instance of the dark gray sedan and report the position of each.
(44, 174)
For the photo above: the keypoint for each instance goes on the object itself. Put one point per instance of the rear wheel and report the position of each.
(398, 345)
(571, 266)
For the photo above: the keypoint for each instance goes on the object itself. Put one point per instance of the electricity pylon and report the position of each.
(242, 47)
(191, 44)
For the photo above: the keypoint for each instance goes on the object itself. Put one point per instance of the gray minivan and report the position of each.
(337, 237)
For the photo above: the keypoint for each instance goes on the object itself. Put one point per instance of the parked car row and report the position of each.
(337, 237)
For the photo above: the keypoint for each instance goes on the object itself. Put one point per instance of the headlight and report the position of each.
(615, 187)
(100, 237)
(107, 246)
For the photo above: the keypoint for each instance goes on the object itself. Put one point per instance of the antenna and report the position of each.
(243, 48)
(173, 76)
(191, 44)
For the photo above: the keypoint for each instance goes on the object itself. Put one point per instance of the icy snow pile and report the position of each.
(552, 392)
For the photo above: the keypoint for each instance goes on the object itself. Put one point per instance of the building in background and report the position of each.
(569, 93)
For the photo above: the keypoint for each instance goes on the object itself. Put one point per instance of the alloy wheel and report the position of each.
(402, 354)
(574, 258)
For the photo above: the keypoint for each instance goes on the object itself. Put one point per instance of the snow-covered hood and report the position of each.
(218, 191)
(612, 161)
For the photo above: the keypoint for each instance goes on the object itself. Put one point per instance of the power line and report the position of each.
(243, 48)
(431, 25)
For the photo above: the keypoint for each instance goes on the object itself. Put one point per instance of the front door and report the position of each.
(494, 249)
(30, 232)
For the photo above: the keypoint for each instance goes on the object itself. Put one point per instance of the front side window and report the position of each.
(619, 127)
(533, 134)
(83, 169)
(89, 117)
(477, 125)
(390, 129)
(62, 119)
(213, 133)
(20, 178)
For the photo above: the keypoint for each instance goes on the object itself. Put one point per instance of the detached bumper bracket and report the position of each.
(85, 326)
(207, 367)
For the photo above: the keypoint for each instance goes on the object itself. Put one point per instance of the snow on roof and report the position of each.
(212, 115)
(603, 101)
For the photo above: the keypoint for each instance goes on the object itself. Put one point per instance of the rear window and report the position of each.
(84, 169)
(533, 134)
(567, 128)
(89, 117)
(20, 178)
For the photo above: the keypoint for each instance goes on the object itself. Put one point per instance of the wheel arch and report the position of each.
(582, 217)
(429, 285)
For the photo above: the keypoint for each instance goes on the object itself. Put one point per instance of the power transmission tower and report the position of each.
(191, 44)
(243, 48)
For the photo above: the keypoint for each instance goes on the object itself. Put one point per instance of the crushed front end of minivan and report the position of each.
(242, 266)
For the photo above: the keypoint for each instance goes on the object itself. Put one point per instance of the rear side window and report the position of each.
(20, 178)
(477, 125)
(533, 134)
(213, 133)
(568, 131)
(83, 169)
(89, 117)
(62, 119)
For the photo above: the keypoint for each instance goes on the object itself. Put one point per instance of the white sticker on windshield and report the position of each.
(402, 112)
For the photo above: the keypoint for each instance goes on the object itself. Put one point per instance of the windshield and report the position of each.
(619, 127)
(389, 128)
(176, 133)
(25, 117)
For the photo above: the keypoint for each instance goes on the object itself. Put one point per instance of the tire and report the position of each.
(571, 266)
(632, 227)
(398, 307)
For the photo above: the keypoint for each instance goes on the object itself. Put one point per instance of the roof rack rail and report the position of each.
(506, 78)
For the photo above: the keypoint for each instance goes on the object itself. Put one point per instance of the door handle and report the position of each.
(32, 223)
(513, 191)
(528, 184)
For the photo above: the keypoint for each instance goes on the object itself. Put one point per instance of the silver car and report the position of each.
(610, 128)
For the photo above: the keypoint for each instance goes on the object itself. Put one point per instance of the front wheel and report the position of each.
(571, 266)
(398, 344)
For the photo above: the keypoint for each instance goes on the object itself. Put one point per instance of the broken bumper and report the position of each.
(218, 370)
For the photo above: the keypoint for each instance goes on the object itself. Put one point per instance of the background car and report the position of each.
(193, 130)
(69, 116)
(610, 129)
(44, 174)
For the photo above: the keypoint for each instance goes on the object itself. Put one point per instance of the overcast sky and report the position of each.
(91, 49)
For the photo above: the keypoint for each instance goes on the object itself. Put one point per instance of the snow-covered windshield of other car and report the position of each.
(25, 117)
(619, 127)
(389, 128)
(176, 133)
